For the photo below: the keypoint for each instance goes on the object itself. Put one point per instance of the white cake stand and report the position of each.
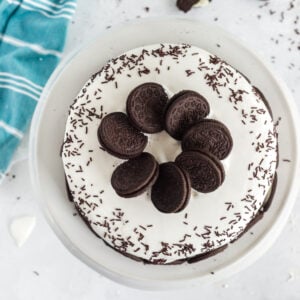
(48, 176)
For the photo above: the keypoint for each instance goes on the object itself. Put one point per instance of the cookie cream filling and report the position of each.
(134, 226)
(201, 3)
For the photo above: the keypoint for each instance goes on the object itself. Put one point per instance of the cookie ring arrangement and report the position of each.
(135, 107)
(204, 141)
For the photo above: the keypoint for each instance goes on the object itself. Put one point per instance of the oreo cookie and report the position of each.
(119, 138)
(206, 173)
(217, 162)
(210, 136)
(189, 189)
(183, 111)
(172, 190)
(134, 176)
(145, 106)
(186, 5)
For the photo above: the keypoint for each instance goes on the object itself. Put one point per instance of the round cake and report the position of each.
(210, 221)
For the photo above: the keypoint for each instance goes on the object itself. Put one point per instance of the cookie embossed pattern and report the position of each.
(210, 221)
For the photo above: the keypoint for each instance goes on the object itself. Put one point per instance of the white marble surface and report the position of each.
(43, 269)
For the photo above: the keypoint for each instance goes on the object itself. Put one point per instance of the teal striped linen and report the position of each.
(32, 38)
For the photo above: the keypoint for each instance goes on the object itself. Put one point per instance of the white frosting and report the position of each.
(210, 220)
(201, 3)
(21, 228)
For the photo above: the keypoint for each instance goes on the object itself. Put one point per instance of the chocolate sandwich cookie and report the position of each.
(217, 162)
(145, 106)
(119, 138)
(210, 136)
(206, 174)
(134, 176)
(172, 190)
(183, 111)
(186, 5)
(189, 190)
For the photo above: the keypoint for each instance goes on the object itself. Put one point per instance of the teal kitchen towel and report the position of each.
(32, 38)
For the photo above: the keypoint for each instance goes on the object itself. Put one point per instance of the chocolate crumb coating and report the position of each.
(255, 220)
(206, 255)
(268, 202)
(69, 193)
(259, 93)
